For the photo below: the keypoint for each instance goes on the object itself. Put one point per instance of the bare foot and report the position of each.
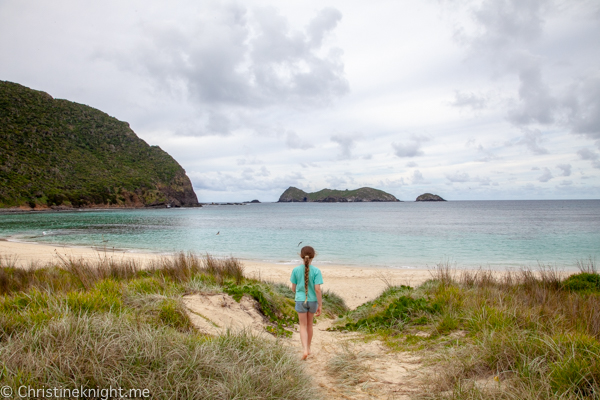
(304, 356)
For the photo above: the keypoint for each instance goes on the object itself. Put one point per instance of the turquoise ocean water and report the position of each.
(494, 234)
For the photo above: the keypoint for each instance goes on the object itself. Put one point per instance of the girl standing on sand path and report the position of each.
(308, 302)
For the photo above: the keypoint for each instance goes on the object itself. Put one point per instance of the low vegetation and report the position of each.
(524, 335)
(348, 367)
(100, 323)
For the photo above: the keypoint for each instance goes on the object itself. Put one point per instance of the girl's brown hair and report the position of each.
(307, 253)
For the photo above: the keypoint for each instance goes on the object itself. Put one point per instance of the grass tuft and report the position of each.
(348, 367)
(103, 349)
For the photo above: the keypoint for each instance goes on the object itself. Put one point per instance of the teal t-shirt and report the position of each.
(314, 278)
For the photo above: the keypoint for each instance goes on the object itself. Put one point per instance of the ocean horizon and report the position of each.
(500, 234)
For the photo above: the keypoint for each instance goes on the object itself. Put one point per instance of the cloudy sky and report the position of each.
(492, 99)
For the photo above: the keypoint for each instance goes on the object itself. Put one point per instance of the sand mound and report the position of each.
(215, 313)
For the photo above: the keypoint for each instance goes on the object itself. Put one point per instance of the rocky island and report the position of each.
(60, 154)
(364, 194)
(429, 197)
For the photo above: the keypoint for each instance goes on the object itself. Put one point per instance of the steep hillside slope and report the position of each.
(59, 153)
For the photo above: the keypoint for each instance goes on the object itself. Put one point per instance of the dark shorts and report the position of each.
(310, 306)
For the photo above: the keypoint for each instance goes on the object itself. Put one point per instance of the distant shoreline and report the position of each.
(19, 210)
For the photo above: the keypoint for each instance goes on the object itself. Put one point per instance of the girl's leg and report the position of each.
(302, 318)
(309, 329)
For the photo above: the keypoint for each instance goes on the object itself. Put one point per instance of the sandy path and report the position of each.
(389, 374)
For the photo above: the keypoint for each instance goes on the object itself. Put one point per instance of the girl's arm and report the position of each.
(294, 288)
(319, 299)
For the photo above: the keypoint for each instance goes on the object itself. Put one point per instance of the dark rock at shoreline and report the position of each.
(429, 197)
(365, 194)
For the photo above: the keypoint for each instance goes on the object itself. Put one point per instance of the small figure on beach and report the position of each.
(306, 284)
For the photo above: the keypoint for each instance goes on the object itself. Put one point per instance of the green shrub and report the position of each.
(173, 314)
(583, 282)
(395, 315)
(145, 286)
(333, 304)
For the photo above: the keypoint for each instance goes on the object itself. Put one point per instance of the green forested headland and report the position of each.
(364, 194)
(57, 153)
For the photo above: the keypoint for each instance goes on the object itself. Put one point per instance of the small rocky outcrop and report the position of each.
(365, 194)
(429, 197)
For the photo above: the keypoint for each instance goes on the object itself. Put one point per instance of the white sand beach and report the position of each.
(355, 285)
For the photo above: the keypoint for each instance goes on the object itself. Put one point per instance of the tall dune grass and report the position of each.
(78, 273)
(530, 334)
(102, 322)
(103, 350)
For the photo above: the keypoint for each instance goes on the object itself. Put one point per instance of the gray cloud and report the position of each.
(239, 59)
(417, 177)
(218, 124)
(411, 164)
(583, 104)
(469, 100)
(248, 180)
(536, 104)
(506, 33)
(263, 171)
(587, 154)
(546, 175)
(487, 155)
(484, 181)
(245, 161)
(411, 148)
(392, 183)
(458, 177)
(347, 143)
(504, 23)
(293, 141)
(340, 182)
(566, 169)
(464, 177)
(531, 139)
(324, 22)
